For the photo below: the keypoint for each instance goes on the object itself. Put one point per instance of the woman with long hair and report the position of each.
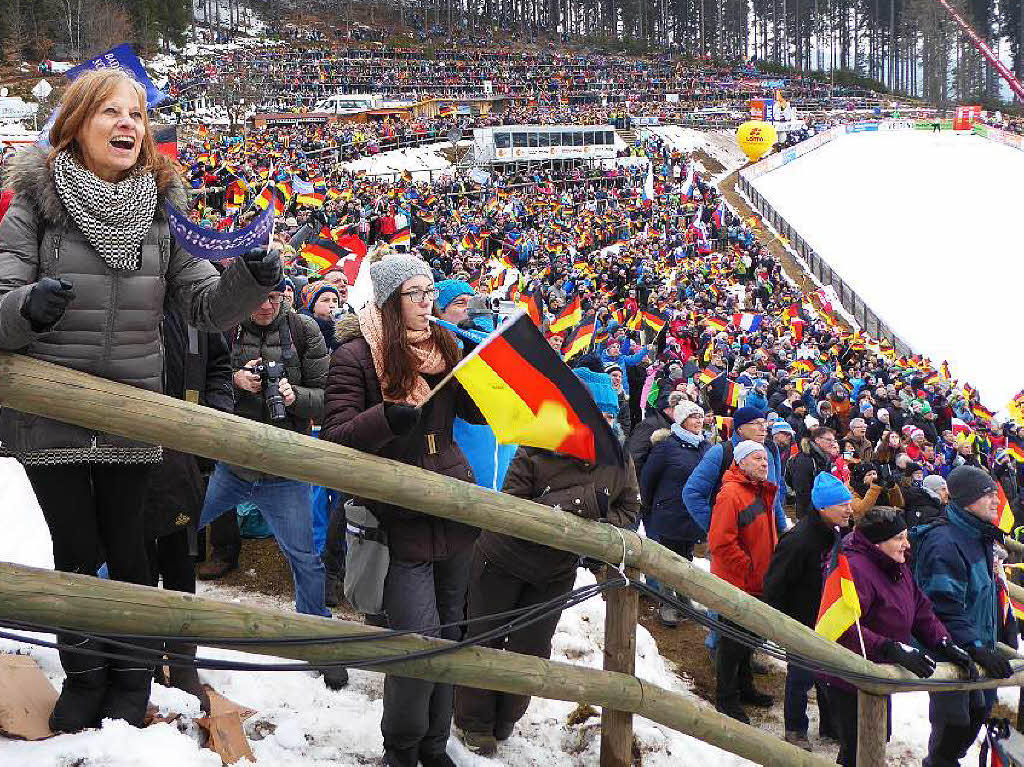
(389, 358)
(86, 262)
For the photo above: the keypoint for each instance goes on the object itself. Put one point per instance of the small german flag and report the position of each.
(530, 397)
(579, 341)
(323, 253)
(401, 237)
(803, 366)
(569, 318)
(1005, 518)
(311, 200)
(981, 411)
(840, 605)
(533, 305)
(707, 375)
(716, 325)
(654, 320)
(635, 322)
(1016, 452)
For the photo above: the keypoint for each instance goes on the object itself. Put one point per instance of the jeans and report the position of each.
(798, 682)
(287, 507)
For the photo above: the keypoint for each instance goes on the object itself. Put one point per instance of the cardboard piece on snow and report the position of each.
(224, 727)
(26, 698)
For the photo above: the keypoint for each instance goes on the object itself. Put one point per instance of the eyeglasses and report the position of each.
(275, 298)
(417, 295)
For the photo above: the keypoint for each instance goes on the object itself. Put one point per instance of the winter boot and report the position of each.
(128, 694)
(438, 759)
(668, 616)
(84, 687)
(482, 743)
(334, 590)
(186, 678)
(798, 739)
(734, 709)
(213, 569)
(400, 757)
(335, 677)
(503, 730)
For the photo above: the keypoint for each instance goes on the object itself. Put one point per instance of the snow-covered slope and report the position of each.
(923, 227)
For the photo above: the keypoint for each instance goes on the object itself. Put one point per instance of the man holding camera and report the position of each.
(280, 361)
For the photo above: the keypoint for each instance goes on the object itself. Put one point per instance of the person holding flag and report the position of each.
(953, 564)
(889, 613)
(793, 586)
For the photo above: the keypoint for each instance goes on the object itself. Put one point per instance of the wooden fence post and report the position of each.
(621, 613)
(872, 729)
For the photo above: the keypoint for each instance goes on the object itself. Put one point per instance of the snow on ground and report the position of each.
(719, 144)
(919, 225)
(300, 722)
(421, 161)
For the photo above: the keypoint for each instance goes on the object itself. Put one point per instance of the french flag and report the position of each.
(719, 215)
(747, 322)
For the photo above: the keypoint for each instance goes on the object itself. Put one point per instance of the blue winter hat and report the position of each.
(828, 491)
(449, 290)
(778, 427)
(745, 415)
(600, 386)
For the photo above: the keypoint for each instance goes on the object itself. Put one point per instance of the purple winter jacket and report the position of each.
(892, 606)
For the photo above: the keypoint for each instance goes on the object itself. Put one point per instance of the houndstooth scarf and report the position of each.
(114, 217)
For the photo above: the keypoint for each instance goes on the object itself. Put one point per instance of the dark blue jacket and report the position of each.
(666, 470)
(953, 566)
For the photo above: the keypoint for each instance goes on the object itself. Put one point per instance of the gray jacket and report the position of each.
(112, 328)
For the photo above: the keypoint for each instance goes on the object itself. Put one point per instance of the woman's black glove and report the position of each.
(401, 418)
(995, 665)
(468, 344)
(946, 650)
(47, 302)
(912, 659)
(265, 266)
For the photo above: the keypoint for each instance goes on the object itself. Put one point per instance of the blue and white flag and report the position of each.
(119, 57)
(212, 245)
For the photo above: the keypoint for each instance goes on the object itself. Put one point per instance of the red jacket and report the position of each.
(742, 537)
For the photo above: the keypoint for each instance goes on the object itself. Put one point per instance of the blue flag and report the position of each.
(212, 245)
(119, 57)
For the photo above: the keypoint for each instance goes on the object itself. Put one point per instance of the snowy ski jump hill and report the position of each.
(923, 227)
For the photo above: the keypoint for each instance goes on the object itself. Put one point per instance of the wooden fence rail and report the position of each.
(41, 388)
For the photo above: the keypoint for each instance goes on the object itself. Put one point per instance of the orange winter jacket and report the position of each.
(742, 537)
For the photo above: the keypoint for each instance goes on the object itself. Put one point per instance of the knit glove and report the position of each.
(995, 665)
(912, 659)
(946, 650)
(401, 418)
(47, 302)
(265, 266)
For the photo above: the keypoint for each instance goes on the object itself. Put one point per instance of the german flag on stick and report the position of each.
(569, 318)
(530, 397)
(840, 605)
(579, 341)
(654, 320)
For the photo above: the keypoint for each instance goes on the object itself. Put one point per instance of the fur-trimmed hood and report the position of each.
(347, 329)
(29, 176)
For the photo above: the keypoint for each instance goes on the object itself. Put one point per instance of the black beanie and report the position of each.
(967, 484)
(876, 529)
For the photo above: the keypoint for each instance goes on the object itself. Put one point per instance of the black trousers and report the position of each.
(95, 514)
(170, 559)
(494, 590)
(225, 538)
(333, 554)
(732, 667)
(948, 743)
(420, 595)
(843, 707)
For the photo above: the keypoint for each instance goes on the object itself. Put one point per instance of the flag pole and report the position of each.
(860, 636)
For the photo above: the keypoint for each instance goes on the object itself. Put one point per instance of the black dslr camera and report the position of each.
(270, 374)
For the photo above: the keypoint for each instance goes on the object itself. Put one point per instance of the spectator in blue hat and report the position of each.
(793, 585)
(453, 300)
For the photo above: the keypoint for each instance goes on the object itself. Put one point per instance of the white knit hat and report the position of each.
(685, 409)
(388, 274)
(746, 448)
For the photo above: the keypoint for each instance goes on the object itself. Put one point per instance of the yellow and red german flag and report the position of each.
(982, 412)
(530, 397)
(579, 341)
(716, 325)
(654, 320)
(707, 375)
(569, 318)
(840, 605)
(635, 322)
(1015, 452)
(323, 253)
(533, 305)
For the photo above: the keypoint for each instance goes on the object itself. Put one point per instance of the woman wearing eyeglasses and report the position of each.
(389, 358)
